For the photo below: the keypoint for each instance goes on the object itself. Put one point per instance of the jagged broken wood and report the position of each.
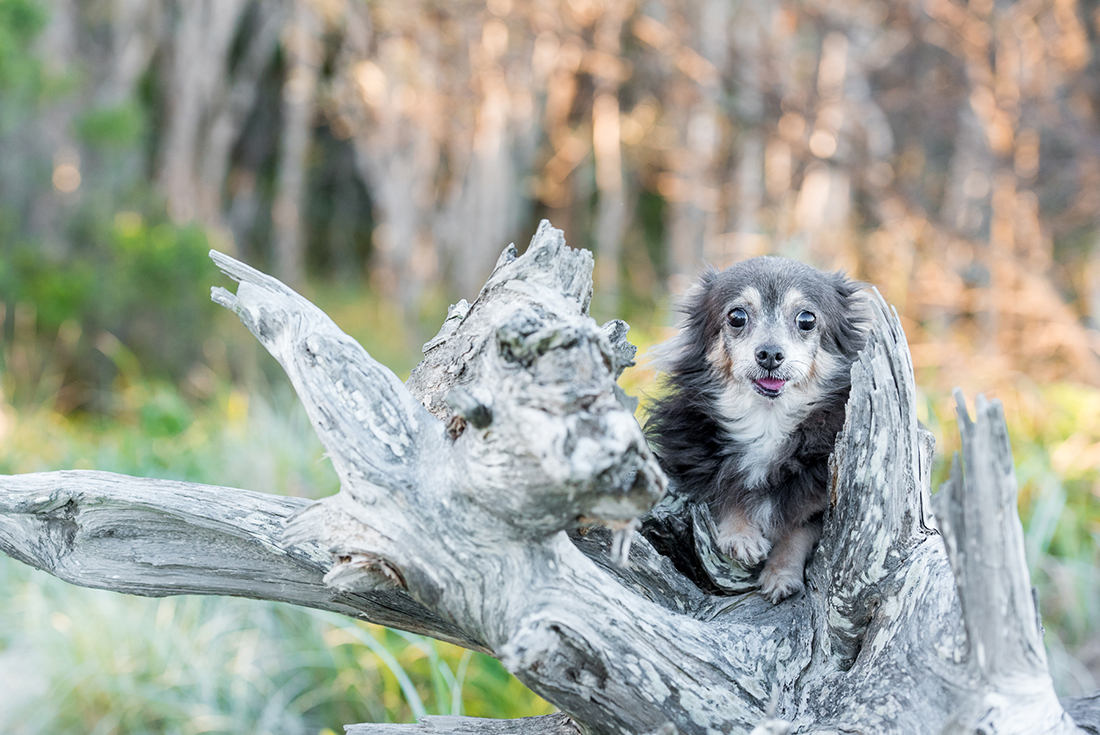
(474, 505)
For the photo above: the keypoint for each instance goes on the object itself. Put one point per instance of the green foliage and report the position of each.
(165, 415)
(135, 284)
(158, 276)
(1056, 445)
(116, 127)
(57, 294)
(96, 259)
(85, 661)
(20, 23)
(26, 79)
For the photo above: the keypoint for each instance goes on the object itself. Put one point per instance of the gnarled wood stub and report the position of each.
(492, 501)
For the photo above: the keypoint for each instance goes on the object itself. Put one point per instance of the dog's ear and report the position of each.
(695, 298)
(845, 286)
(695, 304)
(689, 342)
(852, 332)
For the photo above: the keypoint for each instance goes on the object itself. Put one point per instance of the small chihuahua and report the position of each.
(759, 377)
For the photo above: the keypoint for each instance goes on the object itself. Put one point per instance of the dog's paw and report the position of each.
(749, 546)
(778, 582)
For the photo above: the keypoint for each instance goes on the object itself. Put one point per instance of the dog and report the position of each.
(758, 378)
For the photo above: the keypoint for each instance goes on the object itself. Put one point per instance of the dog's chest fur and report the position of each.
(758, 433)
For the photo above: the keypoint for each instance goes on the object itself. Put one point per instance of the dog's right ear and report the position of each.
(692, 305)
(694, 299)
(708, 276)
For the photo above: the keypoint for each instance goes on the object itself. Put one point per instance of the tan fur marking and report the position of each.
(751, 298)
(719, 358)
(782, 574)
(792, 300)
(739, 537)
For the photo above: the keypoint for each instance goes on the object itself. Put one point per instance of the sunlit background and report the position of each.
(379, 155)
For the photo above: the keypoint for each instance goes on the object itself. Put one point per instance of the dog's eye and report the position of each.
(737, 318)
(805, 320)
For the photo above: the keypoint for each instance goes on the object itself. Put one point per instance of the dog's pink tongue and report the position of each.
(771, 383)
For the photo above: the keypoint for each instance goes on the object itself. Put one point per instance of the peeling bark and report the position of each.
(493, 502)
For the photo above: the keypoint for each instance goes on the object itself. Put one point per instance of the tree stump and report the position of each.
(493, 501)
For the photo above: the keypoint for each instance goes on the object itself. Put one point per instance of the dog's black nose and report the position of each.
(769, 357)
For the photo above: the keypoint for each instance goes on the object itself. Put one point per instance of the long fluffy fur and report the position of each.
(708, 429)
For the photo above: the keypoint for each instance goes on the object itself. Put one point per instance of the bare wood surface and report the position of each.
(161, 537)
(492, 496)
(445, 725)
(1085, 711)
(1009, 687)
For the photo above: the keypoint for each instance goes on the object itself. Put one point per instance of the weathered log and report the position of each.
(1085, 711)
(472, 507)
(161, 537)
(544, 725)
(1009, 686)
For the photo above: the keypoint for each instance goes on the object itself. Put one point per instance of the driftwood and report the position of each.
(558, 724)
(493, 501)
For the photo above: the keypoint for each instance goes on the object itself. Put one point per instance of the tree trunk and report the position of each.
(303, 50)
(475, 505)
(198, 58)
(607, 149)
(233, 103)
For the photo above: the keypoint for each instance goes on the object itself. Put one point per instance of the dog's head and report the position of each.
(772, 328)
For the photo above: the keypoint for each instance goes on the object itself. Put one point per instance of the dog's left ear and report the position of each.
(852, 334)
(845, 286)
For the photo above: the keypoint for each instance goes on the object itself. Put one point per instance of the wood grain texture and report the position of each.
(491, 500)
(162, 537)
(1009, 688)
(545, 725)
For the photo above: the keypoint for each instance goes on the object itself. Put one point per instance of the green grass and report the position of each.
(86, 661)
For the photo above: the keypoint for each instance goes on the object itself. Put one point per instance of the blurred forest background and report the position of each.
(379, 154)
